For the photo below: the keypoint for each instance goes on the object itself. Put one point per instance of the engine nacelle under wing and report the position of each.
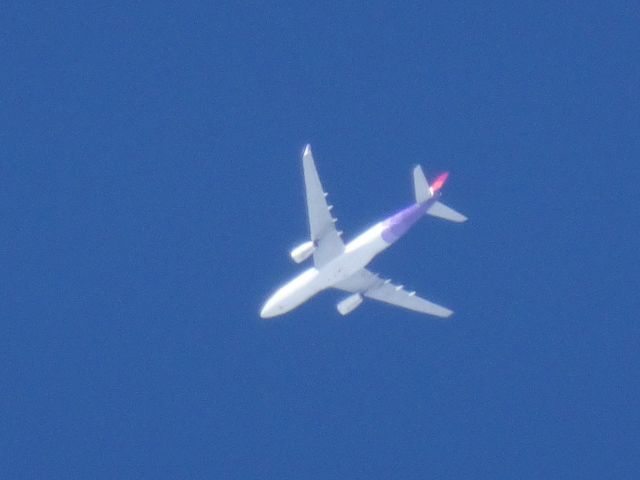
(302, 252)
(349, 304)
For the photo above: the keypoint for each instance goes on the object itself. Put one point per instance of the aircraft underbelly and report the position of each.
(313, 281)
(343, 266)
(357, 255)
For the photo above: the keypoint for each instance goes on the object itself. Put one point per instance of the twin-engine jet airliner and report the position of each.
(341, 266)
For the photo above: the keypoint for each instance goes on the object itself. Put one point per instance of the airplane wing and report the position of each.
(440, 210)
(321, 223)
(372, 286)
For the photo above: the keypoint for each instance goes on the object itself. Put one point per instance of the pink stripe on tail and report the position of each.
(439, 182)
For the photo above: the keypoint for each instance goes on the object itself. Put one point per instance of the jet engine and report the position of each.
(302, 252)
(349, 304)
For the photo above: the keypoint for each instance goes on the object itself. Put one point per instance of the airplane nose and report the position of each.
(274, 306)
(268, 310)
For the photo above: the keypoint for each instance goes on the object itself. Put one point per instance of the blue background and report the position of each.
(151, 188)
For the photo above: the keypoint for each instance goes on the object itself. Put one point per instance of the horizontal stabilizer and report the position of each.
(440, 210)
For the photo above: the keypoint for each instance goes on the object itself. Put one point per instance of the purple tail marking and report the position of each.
(397, 225)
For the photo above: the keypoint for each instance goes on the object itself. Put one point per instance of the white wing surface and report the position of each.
(321, 223)
(440, 210)
(372, 286)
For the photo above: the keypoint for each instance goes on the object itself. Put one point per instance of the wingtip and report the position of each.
(445, 315)
(307, 149)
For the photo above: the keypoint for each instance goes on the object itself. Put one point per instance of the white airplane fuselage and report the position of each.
(357, 254)
(343, 266)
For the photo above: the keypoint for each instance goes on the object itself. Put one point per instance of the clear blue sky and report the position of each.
(151, 188)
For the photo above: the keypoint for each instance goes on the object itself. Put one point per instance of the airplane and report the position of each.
(343, 266)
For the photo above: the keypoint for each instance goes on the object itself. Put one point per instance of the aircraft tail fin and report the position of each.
(440, 210)
(421, 186)
(425, 192)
